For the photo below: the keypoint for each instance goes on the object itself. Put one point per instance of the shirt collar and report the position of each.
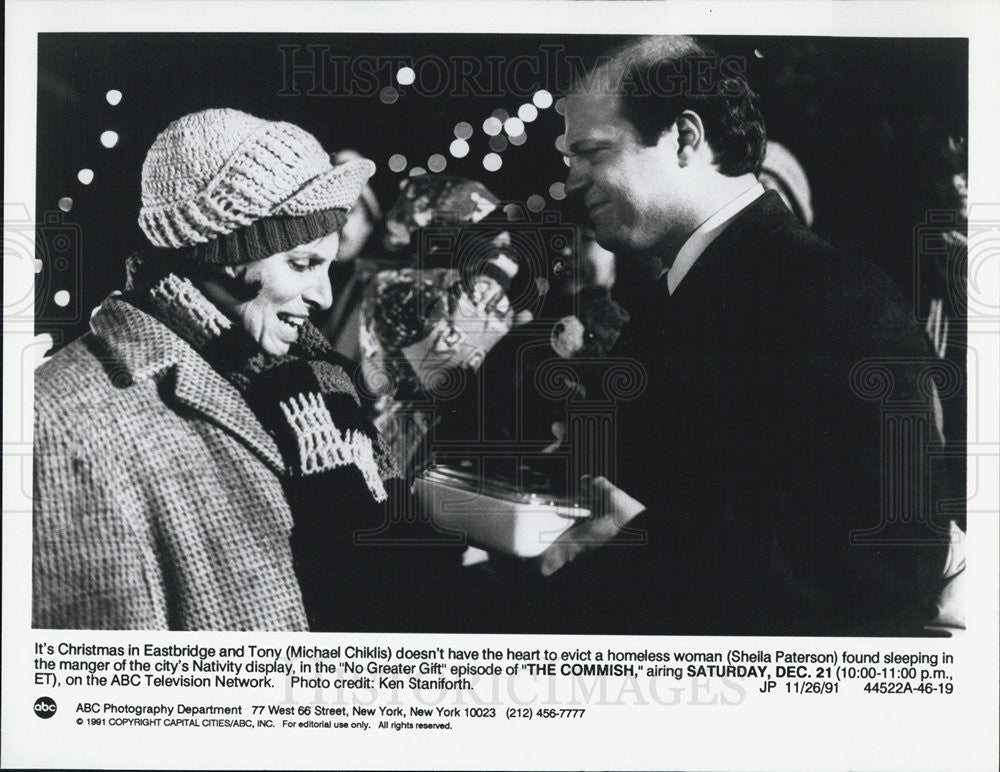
(705, 234)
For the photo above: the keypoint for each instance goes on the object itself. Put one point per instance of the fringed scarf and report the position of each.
(338, 476)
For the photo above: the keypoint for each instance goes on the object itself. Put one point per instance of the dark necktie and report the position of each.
(646, 319)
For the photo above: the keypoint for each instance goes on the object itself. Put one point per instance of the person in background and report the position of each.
(201, 458)
(594, 267)
(944, 269)
(781, 172)
(942, 244)
(352, 271)
(430, 321)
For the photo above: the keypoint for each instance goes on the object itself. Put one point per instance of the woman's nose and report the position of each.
(319, 294)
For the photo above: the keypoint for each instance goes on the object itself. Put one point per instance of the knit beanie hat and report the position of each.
(224, 187)
(782, 171)
(367, 196)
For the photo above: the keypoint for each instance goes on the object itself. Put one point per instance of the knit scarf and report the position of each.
(338, 473)
(304, 399)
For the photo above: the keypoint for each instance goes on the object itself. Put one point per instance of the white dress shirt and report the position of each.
(705, 234)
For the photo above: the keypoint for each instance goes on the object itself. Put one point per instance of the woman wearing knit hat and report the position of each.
(201, 459)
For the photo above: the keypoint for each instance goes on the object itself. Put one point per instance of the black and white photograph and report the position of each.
(564, 366)
(641, 321)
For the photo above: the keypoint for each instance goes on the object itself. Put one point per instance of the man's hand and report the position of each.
(611, 510)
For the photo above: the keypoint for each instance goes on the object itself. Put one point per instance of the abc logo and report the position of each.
(45, 707)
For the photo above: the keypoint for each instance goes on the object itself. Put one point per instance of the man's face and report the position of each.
(632, 191)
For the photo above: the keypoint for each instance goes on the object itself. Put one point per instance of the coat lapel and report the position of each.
(730, 256)
(203, 390)
(150, 351)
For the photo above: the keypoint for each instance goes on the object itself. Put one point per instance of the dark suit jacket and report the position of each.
(784, 381)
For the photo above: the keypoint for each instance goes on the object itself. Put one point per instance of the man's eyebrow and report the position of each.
(580, 143)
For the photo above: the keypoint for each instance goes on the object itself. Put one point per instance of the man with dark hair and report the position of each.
(761, 485)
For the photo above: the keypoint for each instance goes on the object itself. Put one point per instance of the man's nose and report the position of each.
(319, 294)
(576, 180)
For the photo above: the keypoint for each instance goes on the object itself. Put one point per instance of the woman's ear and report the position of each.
(691, 142)
(230, 283)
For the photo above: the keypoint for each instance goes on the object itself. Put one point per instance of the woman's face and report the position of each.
(290, 284)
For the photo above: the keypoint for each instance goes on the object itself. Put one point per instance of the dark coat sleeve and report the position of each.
(375, 567)
(854, 543)
(824, 523)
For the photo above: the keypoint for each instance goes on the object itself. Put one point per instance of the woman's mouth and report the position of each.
(293, 323)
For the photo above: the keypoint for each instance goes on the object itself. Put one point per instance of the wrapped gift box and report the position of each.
(493, 513)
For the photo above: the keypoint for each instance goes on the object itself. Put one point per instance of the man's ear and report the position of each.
(691, 142)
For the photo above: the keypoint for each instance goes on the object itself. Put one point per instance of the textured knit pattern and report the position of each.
(317, 444)
(334, 379)
(263, 238)
(158, 498)
(322, 446)
(188, 310)
(214, 172)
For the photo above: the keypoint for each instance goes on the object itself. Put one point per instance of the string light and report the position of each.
(397, 162)
(86, 176)
(542, 99)
(519, 139)
(498, 143)
(459, 148)
(492, 126)
(500, 114)
(535, 203)
(463, 130)
(109, 138)
(114, 96)
(66, 203)
(514, 127)
(405, 76)
(527, 112)
(388, 95)
(61, 298)
(561, 105)
(557, 191)
(492, 162)
(437, 163)
(416, 171)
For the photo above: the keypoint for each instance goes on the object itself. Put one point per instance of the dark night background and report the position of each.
(865, 117)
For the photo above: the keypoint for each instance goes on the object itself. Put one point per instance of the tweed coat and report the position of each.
(158, 503)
